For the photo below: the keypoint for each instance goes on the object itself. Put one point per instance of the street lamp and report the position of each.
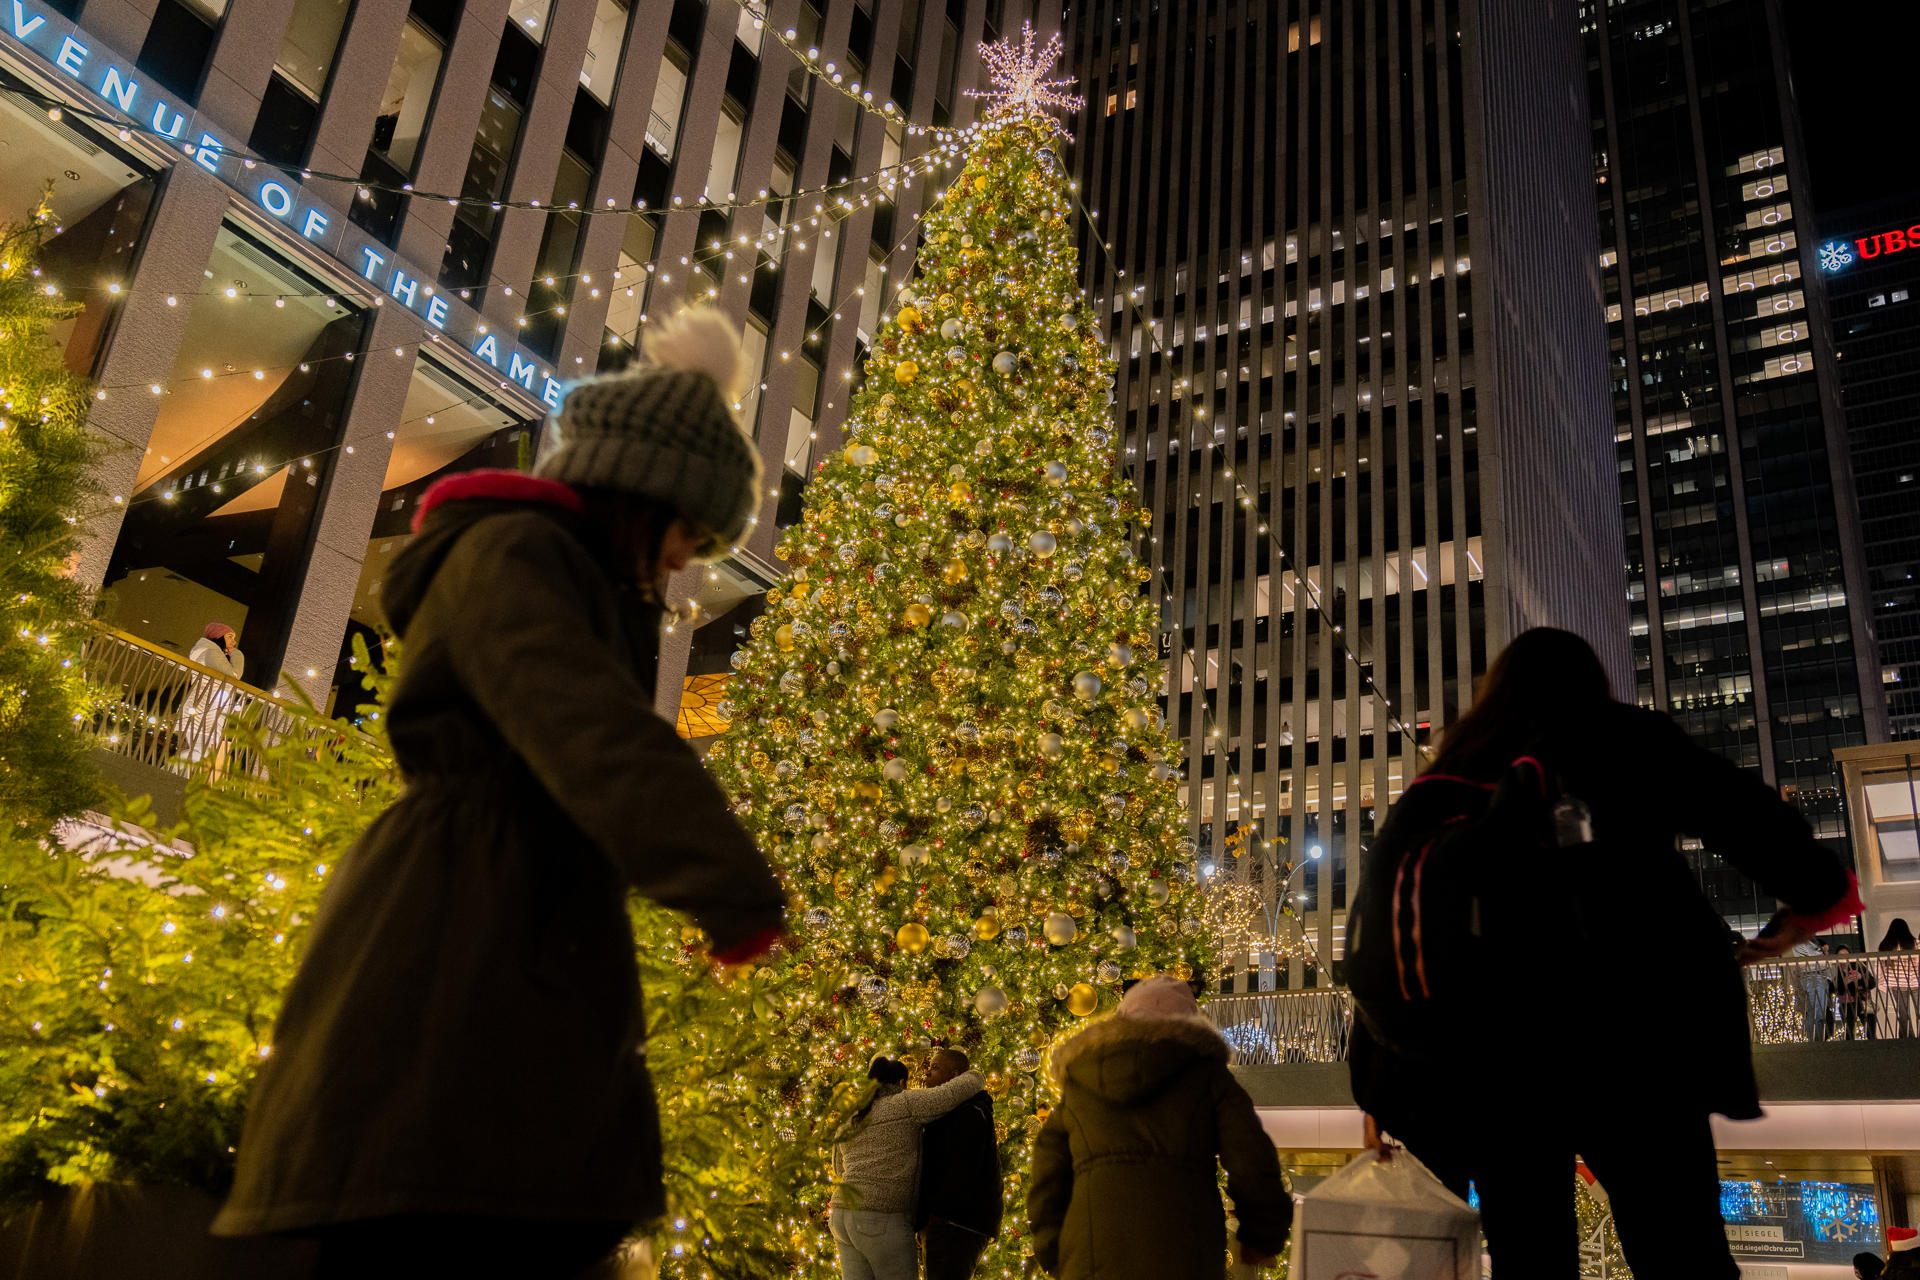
(1314, 854)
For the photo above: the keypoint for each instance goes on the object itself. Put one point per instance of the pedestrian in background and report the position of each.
(960, 1191)
(876, 1170)
(1810, 980)
(1855, 983)
(1494, 1105)
(203, 716)
(1903, 1254)
(458, 1084)
(1125, 1182)
(1867, 1266)
(1900, 985)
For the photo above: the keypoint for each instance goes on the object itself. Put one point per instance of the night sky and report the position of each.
(1856, 73)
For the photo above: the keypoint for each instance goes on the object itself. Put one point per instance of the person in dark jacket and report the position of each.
(1855, 984)
(458, 1083)
(1903, 1254)
(959, 1213)
(1124, 1184)
(1867, 1266)
(1499, 1106)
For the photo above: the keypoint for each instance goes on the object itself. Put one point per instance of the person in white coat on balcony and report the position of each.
(203, 716)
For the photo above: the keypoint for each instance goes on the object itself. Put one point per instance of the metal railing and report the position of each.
(1273, 1028)
(160, 710)
(1875, 996)
(1817, 1000)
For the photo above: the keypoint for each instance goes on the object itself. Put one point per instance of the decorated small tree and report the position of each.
(945, 725)
(45, 488)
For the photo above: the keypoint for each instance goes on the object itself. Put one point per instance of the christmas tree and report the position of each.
(45, 483)
(945, 726)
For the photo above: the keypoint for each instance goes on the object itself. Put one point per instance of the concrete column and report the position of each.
(448, 144)
(679, 237)
(543, 135)
(351, 501)
(359, 82)
(619, 168)
(675, 646)
(121, 23)
(244, 51)
(177, 242)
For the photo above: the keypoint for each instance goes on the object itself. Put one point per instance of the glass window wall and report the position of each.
(250, 426)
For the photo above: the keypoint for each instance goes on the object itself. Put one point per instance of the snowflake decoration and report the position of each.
(1019, 70)
(1834, 255)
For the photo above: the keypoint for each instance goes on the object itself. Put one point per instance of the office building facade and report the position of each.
(1746, 579)
(1348, 256)
(1871, 277)
(313, 276)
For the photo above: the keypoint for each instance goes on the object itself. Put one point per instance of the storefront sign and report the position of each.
(1836, 255)
(124, 90)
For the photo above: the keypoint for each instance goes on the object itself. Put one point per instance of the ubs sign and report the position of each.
(1837, 255)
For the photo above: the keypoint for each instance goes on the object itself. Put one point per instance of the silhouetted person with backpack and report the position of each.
(1497, 1068)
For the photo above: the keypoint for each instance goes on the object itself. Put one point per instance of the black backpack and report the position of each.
(1440, 893)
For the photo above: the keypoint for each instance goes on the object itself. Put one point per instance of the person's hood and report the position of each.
(449, 508)
(1128, 1061)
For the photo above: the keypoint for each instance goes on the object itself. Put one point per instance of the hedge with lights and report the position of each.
(45, 490)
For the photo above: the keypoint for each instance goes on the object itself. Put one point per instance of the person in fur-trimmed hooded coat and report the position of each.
(1123, 1170)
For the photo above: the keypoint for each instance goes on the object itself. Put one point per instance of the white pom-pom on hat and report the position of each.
(701, 340)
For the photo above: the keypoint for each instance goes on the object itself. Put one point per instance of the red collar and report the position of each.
(496, 486)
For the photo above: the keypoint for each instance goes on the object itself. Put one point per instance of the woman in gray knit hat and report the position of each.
(457, 1083)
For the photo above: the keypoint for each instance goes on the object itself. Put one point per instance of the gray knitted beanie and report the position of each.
(667, 430)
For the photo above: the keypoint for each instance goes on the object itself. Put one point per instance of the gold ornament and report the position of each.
(905, 372)
(909, 319)
(1082, 1000)
(945, 302)
(784, 638)
(912, 937)
(1183, 971)
(917, 615)
(960, 492)
(956, 572)
(987, 927)
(979, 186)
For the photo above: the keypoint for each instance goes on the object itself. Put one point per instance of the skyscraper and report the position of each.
(1871, 270)
(1746, 579)
(1349, 261)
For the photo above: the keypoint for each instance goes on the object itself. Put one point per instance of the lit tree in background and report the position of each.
(945, 725)
(44, 483)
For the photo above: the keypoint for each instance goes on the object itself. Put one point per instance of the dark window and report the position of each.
(684, 27)
(285, 125)
(743, 73)
(902, 89)
(860, 36)
(176, 49)
(651, 183)
(587, 128)
(793, 129)
(516, 65)
(438, 16)
(839, 167)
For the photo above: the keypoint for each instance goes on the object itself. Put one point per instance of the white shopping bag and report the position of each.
(1384, 1220)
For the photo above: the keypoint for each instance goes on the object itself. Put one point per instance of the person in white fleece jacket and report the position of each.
(876, 1170)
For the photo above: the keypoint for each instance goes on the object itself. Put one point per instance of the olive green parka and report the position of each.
(1124, 1170)
(464, 1035)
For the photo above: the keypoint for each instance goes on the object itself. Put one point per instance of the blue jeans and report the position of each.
(874, 1246)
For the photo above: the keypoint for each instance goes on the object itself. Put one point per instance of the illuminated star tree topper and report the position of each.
(1021, 85)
